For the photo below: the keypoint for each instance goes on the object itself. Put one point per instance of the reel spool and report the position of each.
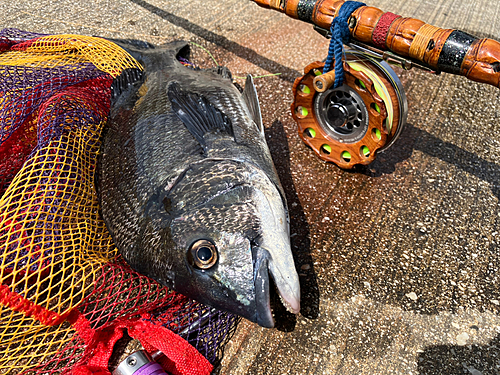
(350, 124)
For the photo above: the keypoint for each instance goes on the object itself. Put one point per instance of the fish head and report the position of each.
(229, 224)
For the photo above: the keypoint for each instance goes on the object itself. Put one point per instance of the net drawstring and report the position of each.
(340, 35)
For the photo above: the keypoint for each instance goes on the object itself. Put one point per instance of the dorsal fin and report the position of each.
(126, 78)
(197, 113)
(252, 101)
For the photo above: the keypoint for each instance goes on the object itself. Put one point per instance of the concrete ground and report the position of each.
(398, 261)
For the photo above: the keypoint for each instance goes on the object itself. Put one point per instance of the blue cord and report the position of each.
(340, 35)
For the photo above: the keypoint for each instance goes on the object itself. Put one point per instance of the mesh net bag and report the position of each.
(66, 295)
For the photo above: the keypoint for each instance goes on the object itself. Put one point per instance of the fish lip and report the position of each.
(289, 296)
(263, 269)
(263, 314)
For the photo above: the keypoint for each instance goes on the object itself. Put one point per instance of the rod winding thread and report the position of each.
(422, 38)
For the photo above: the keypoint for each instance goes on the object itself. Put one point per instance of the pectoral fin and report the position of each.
(198, 114)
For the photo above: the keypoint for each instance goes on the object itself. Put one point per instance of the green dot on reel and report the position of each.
(346, 155)
(360, 84)
(305, 89)
(365, 151)
(310, 132)
(301, 111)
(327, 149)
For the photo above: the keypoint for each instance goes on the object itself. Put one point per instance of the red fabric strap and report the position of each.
(180, 357)
(5, 44)
(16, 302)
(380, 33)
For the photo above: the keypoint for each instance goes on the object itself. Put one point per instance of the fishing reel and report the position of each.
(352, 123)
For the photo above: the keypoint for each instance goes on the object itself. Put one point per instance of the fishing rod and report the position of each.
(353, 105)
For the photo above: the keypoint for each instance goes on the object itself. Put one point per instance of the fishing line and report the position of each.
(206, 50)
(380, 88)
(261, 76)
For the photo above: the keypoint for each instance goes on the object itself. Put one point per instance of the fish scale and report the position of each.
(213, 184)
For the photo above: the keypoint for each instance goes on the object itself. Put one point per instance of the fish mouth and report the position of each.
(263, 268)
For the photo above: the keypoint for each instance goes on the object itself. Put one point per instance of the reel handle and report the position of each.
(447, 50)
(324, 82)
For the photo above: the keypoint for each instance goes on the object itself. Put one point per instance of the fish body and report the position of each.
(188, 189)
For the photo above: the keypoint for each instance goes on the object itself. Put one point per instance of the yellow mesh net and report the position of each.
(53, 243)
(69, 51)
(30, 343)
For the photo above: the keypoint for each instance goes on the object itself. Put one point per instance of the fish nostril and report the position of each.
(167, 204)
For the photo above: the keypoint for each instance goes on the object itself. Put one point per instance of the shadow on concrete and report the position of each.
(299, 229)
(233, 47)
(421, 140)
(454, 359)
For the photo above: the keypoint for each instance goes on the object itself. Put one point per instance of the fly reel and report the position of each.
(350, 124)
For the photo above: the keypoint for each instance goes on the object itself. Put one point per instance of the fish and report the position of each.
(187, 185)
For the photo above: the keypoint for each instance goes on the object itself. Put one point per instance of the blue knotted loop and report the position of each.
(340, 35)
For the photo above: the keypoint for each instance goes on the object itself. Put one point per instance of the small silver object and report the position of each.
(132, 363)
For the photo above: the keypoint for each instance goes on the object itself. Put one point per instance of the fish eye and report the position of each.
(203, 254)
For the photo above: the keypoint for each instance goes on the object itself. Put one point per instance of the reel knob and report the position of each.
(350, 124)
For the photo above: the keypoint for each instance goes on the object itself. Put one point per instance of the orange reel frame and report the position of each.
(379, 134)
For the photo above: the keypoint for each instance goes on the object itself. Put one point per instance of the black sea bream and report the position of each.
(188, 188)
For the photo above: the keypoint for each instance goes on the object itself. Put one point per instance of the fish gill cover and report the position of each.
(66, 294)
